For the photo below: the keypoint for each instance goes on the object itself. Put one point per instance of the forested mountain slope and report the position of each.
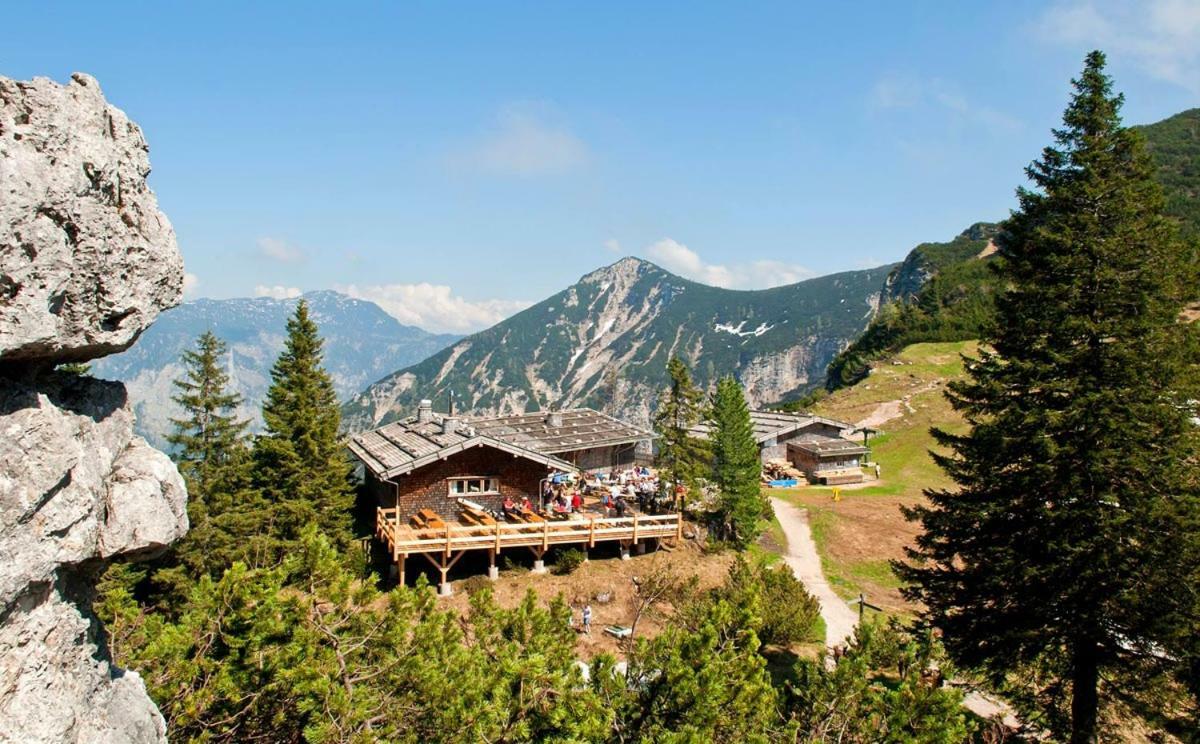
(605, 342)
(944, 291)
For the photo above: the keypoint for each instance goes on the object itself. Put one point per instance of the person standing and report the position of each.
(587, 618)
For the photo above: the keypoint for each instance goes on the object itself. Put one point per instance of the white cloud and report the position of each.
(677, 257)
(899, 91)
(895, 91)
(1162, 37)
(612, 245)
(524, 143)
(190, 282)
(435, 307)
(279, 250)
(277, 291)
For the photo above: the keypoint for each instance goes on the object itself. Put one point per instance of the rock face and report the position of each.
(86, 263)
(88, 260)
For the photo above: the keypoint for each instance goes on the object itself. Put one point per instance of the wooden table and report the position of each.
(428, 519)
(476, 517)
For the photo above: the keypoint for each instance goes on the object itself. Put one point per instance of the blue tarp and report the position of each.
(788, 483)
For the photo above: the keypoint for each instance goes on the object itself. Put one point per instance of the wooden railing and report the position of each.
(403, 539)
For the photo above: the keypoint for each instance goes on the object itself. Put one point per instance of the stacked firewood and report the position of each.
(779, 470)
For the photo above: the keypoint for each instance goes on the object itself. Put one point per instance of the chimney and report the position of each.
(554, 419)
(425, 412)
(449, 424)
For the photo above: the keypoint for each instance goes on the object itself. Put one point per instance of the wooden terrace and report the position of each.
(444, 542)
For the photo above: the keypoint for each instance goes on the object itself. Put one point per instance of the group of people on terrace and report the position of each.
(613, 493)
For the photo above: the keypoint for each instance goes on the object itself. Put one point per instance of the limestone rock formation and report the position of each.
(88, 260)
(86, 263)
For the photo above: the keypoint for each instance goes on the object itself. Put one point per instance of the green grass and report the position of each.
(902, 450)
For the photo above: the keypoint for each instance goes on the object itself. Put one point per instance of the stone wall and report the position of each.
(86, 263)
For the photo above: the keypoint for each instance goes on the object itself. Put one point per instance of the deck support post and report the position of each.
(400, 567)
(443, 566)
(640, 548)
(539, 565)
(585, 554)
(624, 550)
(493, 572)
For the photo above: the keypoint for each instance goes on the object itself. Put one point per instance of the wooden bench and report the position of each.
(476, 517)
(428, 519)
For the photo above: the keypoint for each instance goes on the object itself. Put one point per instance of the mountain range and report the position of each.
(605, 341)
(362, 343)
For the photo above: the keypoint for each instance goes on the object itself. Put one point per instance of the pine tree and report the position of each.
(300, 466)
(682, 457)
(737, 468)
(1074, 521)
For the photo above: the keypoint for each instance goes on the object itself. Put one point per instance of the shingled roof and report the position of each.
(828, 446)
(403, 446)
(561, 431)
(770, 424)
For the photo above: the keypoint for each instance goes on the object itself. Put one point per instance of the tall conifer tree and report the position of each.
(682, 457)
(1073, 528)
(209, 434)
(213, 456)
(300, 466)
(737, 468)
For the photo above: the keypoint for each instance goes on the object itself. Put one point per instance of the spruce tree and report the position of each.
(682, 457)
(300, 465)
(209, 435)
(210, 448)
(1072, 531)
(737, 468)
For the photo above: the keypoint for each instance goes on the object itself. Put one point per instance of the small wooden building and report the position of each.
(773, 431)
(828, 460)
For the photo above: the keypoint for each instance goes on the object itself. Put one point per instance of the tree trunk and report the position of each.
(1085, 701)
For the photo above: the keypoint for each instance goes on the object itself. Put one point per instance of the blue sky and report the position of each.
(455, 161)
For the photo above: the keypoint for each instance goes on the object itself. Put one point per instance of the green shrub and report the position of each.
(789, 611)
(567, 561)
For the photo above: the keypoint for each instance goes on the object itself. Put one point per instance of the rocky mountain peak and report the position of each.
(86, 263)
(626, 270)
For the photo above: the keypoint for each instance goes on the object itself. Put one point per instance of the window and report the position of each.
(468, 486)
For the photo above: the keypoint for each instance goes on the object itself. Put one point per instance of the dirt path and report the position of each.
(883, 413)
(801, 555)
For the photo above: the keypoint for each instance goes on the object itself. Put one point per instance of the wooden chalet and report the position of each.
(828, 460)
(774, 431)
(439, 483)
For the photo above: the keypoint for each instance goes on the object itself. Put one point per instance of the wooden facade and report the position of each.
(828, 460)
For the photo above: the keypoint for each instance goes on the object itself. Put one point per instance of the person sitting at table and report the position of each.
(509, 505)
(620, 505)
(560, 506)
(526, 504)
(576, 501)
